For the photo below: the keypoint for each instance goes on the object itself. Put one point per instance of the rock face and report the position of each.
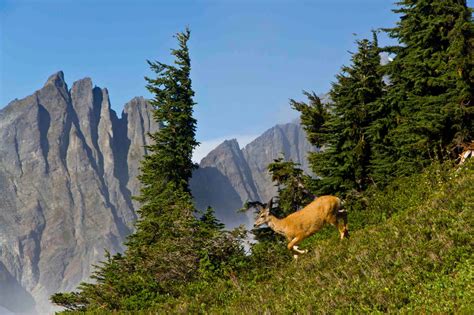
(68, 169)
(288, 140)
(224, 181)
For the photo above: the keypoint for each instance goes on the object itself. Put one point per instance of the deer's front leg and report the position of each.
(292, 246)
(299, 251)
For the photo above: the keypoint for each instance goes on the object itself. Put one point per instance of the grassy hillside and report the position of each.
(411, 249)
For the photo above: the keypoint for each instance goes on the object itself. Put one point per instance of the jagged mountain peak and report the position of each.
(66, 180)
(82, 84)
(136, 104)
(231, 142)
(227, 149)
(136, 100)
(56, 79)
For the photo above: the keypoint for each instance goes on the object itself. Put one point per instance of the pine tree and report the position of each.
(170, 245)
(313, 117)
(292, 184)
(430, 99)
(210, 222)
(170, 154)
(166, 226)
(341, 128)
(221, 251)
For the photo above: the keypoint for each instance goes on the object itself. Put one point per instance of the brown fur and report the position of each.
(307, 221)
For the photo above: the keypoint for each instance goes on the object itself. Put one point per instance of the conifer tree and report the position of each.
(170, 154)
(166, 226)
(292, 183)
(314, 115)
(341, 128)
(170, 247)
(430, 99)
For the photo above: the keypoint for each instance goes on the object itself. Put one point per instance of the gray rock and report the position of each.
(64, 184)
(287, 141)
(138, 119)
(224, 182)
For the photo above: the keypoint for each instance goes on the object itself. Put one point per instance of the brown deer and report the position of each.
(303, 223)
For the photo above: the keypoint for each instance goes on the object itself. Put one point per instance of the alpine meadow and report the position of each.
(392, 144)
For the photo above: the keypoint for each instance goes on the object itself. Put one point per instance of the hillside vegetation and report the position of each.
(411, 251)
(382, 140)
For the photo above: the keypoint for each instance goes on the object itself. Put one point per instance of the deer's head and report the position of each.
(264, 214)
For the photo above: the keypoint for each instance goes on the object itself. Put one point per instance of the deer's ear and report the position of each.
(270, 203)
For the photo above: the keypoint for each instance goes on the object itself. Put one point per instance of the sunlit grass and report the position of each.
(411, 250)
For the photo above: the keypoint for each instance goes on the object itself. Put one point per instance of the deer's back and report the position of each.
(312, 217)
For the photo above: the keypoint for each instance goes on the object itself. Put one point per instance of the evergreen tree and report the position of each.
(341, 128)
(166, 226)
(170, 154)
(430, 99)
(171, 247)
(210, 222)
(220, 251)
(292, 184)
(313, 117)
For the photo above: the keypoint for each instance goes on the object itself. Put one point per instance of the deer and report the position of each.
(303, 223)
(468, 152)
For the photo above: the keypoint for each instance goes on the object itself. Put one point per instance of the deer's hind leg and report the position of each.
(339, 220)
(342, 226)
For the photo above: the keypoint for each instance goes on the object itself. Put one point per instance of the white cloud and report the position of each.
(207, 146)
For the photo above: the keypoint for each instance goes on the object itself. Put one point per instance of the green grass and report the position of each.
(410, 251)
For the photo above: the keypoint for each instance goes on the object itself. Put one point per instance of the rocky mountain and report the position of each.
(228, 176)
(68, 168)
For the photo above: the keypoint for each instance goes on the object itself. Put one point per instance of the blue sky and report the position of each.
(248, 57)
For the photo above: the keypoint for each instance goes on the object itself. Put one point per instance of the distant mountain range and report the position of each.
(68, 168)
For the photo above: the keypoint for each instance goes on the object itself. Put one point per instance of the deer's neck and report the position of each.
(276, 225)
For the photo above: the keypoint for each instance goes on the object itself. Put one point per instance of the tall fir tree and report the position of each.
(166, 225)
(170, 154)
(430, 98)
(341, 128)
(313, 115)
(170, 247)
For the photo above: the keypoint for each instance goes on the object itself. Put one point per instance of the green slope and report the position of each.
(411, 250)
